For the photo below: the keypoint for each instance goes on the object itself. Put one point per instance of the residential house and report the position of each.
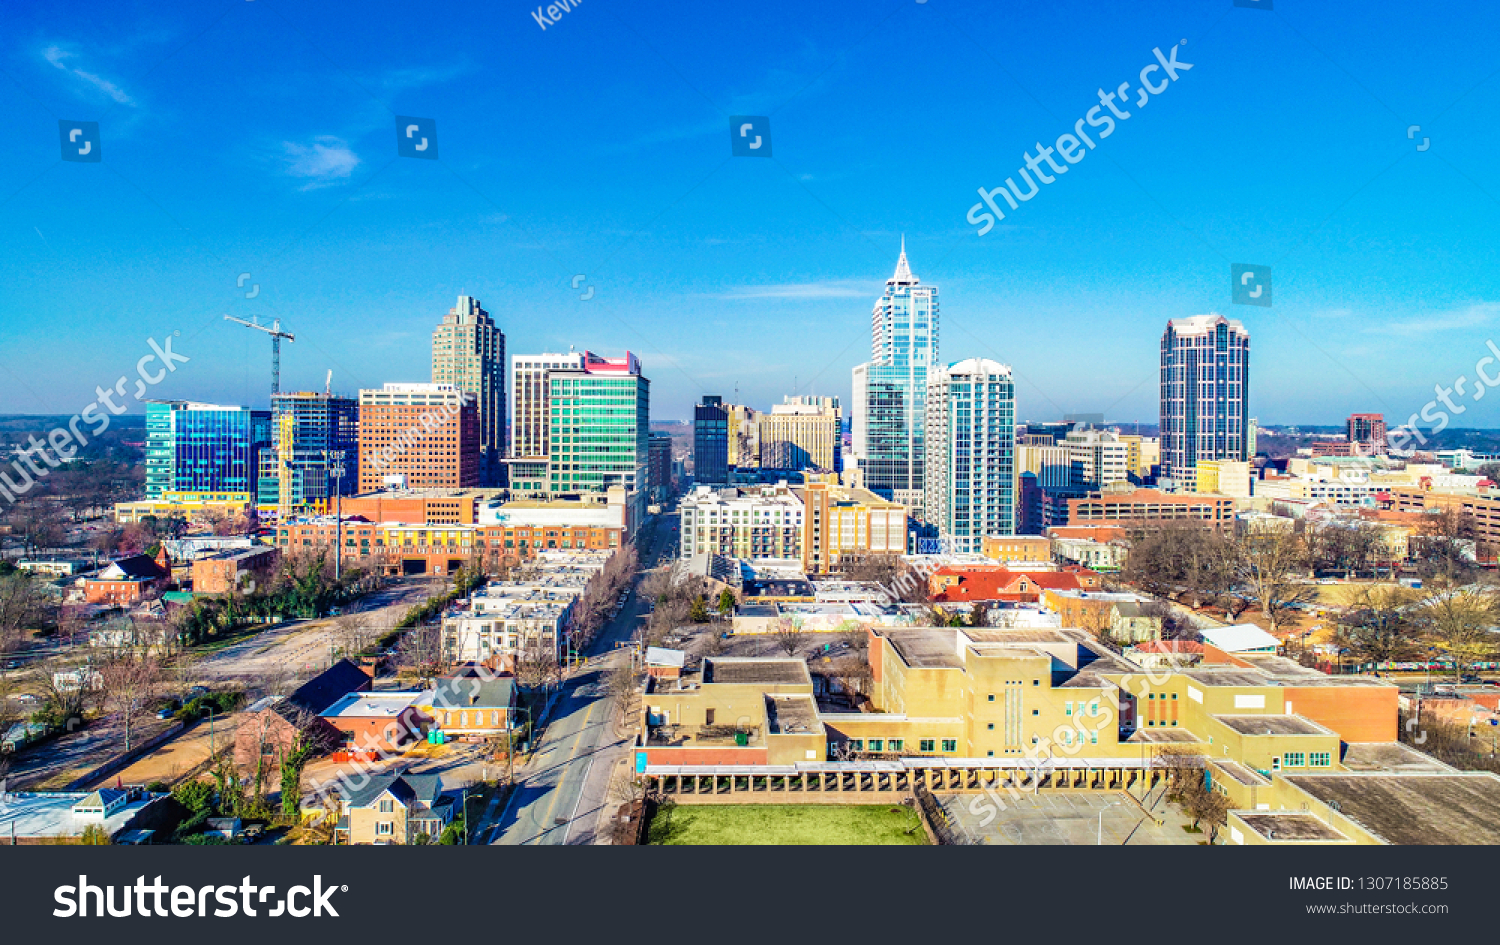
(397, 808)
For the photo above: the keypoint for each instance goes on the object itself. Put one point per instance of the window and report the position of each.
(926, 744)
(1067, 708)
(384, 828)
(1036, 682)
(893, 744)
(992, 697)
(1319, 759)
(1094, 736)
(1036, 711)
(992, 726)
(1094, 707)
(856, 744)
(950, 744)
(1294, 759)
(877, 744)
(387, 806)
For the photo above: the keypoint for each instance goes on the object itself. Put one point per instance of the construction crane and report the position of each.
(276, 335)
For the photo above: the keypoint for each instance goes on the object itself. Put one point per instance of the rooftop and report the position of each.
(1290, 826)
(755, 672)
(1457, 809)
(792, 715)
(365, 705)
(1272, 725)
(1244, 775)
(1389, 757)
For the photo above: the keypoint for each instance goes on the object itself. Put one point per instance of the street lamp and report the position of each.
(1099, 839)
(336, 470)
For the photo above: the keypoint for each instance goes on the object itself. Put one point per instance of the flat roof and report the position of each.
(1241, 773)
(927, 649)
(1289, 825)
(371, 705)
(755, 672)
(1459, 808)
(1389, 757)
(792, 715)
(1228, 677)
(1272, 725)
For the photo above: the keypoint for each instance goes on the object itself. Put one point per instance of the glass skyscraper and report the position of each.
(890, 392)
(192, 447)
(711, 442)
(468, 351)
(599, 429)
(1205, 395)
(971, 443)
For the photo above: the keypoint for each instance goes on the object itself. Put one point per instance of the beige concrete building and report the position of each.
(799, 433)
(839, 521)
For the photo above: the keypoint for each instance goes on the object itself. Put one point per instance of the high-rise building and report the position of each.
(1096, 458)
(661, 466)
(204, 448)
(418, 436)
(752, 522)
(311, 435)
(802, 433)
(529, 399)
(890, 392)
(970, 460)
(744, 436)
(468, 351)
(711, 442)
(1368, 431)
(598, 432)
(841, 521)
(1205, 392)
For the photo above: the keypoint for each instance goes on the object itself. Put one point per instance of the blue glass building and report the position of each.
(192, 447)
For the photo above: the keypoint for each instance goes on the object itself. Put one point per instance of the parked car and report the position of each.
(164, 713)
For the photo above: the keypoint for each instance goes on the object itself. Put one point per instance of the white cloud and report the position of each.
(1482, 313)
(846, 289)
(326, 161)
(59, 58)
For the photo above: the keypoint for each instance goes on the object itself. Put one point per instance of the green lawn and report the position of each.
(785, 824)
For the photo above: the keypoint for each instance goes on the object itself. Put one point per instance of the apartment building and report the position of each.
(1148, 505)
(801, 433)
(751, 522)
(418, 436)
(839, 521)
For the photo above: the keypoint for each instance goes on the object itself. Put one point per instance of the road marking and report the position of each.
(583, 788)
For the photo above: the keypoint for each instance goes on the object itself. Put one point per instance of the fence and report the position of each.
(940, 826)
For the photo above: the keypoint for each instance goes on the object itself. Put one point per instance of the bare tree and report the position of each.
(22, 606)
(788, 635)
(131, 681)
(1270, 568)
(1382, 624)
(536, 667)
(421, 650)
(1461, 623)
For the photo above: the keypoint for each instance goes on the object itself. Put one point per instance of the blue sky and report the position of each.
(258, 136)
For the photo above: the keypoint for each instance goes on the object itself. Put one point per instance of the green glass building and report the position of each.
(598, 426)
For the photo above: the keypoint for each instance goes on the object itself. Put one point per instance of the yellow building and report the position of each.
(1017, 549)
(1223, 477)
(839, 521)
(184, 504)
(803, 432)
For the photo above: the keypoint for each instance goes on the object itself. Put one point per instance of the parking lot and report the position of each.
(1059, 819)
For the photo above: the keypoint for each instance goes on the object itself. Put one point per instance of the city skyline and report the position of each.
(1378, 248)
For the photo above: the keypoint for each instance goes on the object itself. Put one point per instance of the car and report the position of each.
(164, 713)
(12, 664)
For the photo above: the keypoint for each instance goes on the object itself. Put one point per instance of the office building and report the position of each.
(468, 351)
(204, 448)
(1142, 507)
(1367, 431)
(744, 436)
(802, 433)
(1096, 458)
(312, 434)
(1205, 393)
(529, 400)
(660, 474)
(970, 457)
(1223, 477)
(418, 436)
(598, 433)
(890, 392)
(711, 442)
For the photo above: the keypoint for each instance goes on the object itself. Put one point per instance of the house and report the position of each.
(271, 726)
(228, 829)
(129, 580)
(395, 808)
(965, 583)
(230, 569)
(472, 703)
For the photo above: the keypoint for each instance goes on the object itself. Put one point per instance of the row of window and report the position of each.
(924, 745)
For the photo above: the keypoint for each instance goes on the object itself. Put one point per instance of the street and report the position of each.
(564, 787)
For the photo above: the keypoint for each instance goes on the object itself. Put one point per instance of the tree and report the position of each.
(1351, 546)
(22, 606)
(1176, 559)
(304, 745)
(1269, 567)
(1380, 625)
(130, 681)
(536, 667)
(726, 601)
(979, 614)
(788, 635)
(420, 649)
(1461, 624)
(1174, 625)
(698, 611)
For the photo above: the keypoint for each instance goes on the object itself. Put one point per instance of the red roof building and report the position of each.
(964, 583)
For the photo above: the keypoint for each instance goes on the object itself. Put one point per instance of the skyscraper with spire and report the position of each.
(890, 391)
